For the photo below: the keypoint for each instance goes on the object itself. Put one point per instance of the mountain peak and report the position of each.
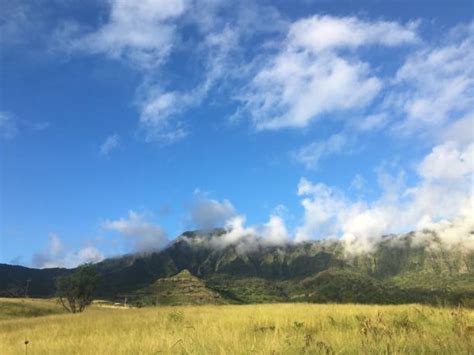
(183, 274)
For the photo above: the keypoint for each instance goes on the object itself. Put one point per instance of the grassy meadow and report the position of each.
(235, 329)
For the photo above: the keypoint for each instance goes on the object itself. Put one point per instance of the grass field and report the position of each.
(231, 329)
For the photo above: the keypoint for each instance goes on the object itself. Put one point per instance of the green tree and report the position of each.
(75, 291)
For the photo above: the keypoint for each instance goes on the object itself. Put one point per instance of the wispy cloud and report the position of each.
(311, 154)
(110, 144)
(158, 112)
(8, 126)
(140, 32)
(146, 35)
(435, 83)
(11, 126)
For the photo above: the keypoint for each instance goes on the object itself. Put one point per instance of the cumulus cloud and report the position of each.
(441, 201)
(433, 91)
(296, 88)
(452, 233)
(249, 238)
(448, 162)
(236, 232)
(143, 235)
(245, 238)
(274, 232)
(57, 254)
(208, 213)
(311, 77)
(321, 206)
(445, 191)
(111, 143)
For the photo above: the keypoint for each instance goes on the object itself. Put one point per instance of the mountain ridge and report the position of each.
(409, 269)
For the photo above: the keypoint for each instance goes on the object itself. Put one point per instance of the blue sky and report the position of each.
(124, 123)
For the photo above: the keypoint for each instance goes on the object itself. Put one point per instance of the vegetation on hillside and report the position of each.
(398, 270)
(180, 289)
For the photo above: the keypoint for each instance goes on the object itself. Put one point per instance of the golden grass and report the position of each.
(28, 307)
(249, 329)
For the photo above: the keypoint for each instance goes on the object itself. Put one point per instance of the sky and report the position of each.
(124, 123)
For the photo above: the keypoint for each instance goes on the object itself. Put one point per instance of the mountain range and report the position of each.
(205, 267)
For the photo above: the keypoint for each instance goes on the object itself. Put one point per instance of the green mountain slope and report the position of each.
(398, 269)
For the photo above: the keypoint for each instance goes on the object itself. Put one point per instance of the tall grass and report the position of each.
(28, 307)
(250, 329)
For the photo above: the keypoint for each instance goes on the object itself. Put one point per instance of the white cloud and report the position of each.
(311, 154)
(371, 122)
(434, 91)
(249, 238)
(306, 79)
(448, 162)
(445, 191)
(157, 118)
(141, 32)
(208, 213)
(452, 233)
(111, 143)
(436, 83)
(309, 77)
(460, 131)
(236, 231)
(86, 255)
(322, 33)
(321, 206)
(144, 236)
(144, 34)
(8, 126)
(274, 232)
(160, 109)
(296, 87)
(57, 254)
